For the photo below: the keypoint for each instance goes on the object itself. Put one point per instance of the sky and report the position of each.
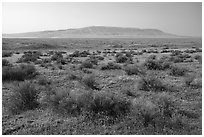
(183, 18)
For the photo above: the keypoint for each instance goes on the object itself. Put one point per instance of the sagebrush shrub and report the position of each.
(74, 102)
(7, 54)
(29, 57)
(166, 104)
(151, 83)
(109, 66)
(68, 102)
(23, 97)
(57, 56)
(177, 71)
(6, 63)
(159, 111)
(72, 76)
(134, 70)
(86, 64)
(198, 58)
(43, 81)
(18, 73)
(90, 82)
(120, 58)
(189, 79)
(109, 104)
(157, 64)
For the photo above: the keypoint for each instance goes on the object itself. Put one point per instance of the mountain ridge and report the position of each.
(94, 32)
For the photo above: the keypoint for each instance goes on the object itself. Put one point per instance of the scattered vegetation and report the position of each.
(29, 57)
(147, 94)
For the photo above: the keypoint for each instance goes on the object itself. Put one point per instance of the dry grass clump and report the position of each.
(152, 83)
(90, 82)
(160, 112)
(177, 71)
(19, 73)
(76, 102)
(23, 97)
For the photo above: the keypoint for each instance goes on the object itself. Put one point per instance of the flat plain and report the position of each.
(106, 86)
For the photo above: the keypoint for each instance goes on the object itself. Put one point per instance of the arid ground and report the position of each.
(102, 86)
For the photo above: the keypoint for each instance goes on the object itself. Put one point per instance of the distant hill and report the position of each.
(96, 32)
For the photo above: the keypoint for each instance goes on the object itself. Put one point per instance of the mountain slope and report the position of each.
(95, 32)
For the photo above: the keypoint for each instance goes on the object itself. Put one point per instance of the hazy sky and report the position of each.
(176, 18)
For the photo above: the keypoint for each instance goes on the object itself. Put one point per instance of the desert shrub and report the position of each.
(43, 81)
(60, 101)
(110, 65)
(6, 63)
(177, 71)
(23, 97)
(60, 66)
(38, 62)
(189, 79)
(134, 70)
(87, 71)
(160, 112)
(90, 82)
(29, 57)
(84, 54)
(151, 83)
(199, 58)
(152, 57)
(61, 61)
(184, 55)
(46, 65)
(175, 52)
(86, 64)
(80, 54)
(72, 76)
(121, 58)
(57, 56)
(166, 104)
(46, 60)
(75, 54)
(68, 102)
(193, 82)
(109, 104)
(152, 63)
(7, 54)
(74, 102)
(176, 59)
(198, 50)
(128, 92)
(146, 110)
(18, 73)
